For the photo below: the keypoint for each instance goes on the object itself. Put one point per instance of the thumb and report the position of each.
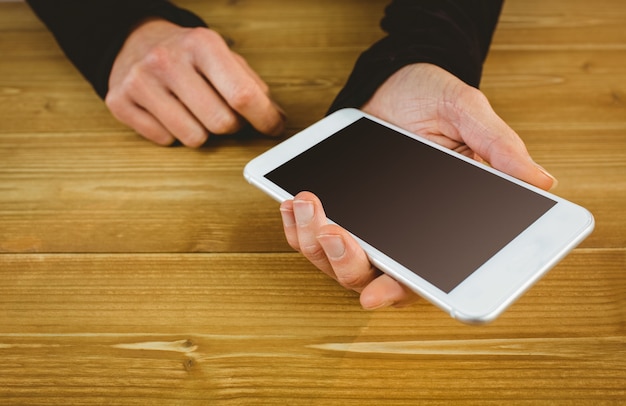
(493, 140)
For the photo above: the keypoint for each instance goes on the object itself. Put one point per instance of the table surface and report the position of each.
(136, 274)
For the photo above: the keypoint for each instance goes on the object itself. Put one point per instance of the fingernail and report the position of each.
(303, 211)
(333, 246)
(555, 182)
(287, 216)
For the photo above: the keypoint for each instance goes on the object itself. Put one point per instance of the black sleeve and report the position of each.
(454, 35)
(91, 33)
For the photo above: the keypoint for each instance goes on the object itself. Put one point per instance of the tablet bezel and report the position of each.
(491, 288)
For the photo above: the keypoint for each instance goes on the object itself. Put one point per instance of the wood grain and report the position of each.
(237, 327)
(134, 274)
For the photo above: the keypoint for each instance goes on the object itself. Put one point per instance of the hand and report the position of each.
(334, 251)
(169, 82)
(433, 103)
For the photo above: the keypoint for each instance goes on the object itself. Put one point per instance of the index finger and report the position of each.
(239, 89)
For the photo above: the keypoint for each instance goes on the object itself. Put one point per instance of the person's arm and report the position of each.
(160, 70)
(91, 33)
(454, 35)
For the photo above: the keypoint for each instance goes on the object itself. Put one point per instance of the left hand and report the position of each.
(336, 253)
(433, 103)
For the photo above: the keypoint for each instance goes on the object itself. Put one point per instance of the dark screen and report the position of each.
(437, 215)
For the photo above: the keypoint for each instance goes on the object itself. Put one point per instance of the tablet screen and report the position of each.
(438, 216)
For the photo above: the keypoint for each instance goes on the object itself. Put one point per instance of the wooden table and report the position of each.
(135, 274)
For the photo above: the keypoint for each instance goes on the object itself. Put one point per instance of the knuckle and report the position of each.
(226, 123)
(133, 85)
(120, 107)
(194, 139)
(157, 56)
(158, 60)
(158, 137)
(471, 95)
(241, 96)
(206, 38)
(114, 101)
(153, 132)
(352, 279)
(313, 253)
(262, 88)
(197, 35)
(293, 242)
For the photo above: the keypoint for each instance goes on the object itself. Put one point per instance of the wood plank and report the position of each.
(268, 328)
(112, 196)
(580, 88)
(562, 25)
(133, 274)
(103, 193)
(235, 293)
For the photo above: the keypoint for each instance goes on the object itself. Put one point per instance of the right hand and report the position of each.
(169, 82)
(336, 253)
(433, 103)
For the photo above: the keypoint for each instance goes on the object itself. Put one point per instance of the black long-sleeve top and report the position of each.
(454, 35)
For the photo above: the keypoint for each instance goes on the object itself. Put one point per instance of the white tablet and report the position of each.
(466, 237)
